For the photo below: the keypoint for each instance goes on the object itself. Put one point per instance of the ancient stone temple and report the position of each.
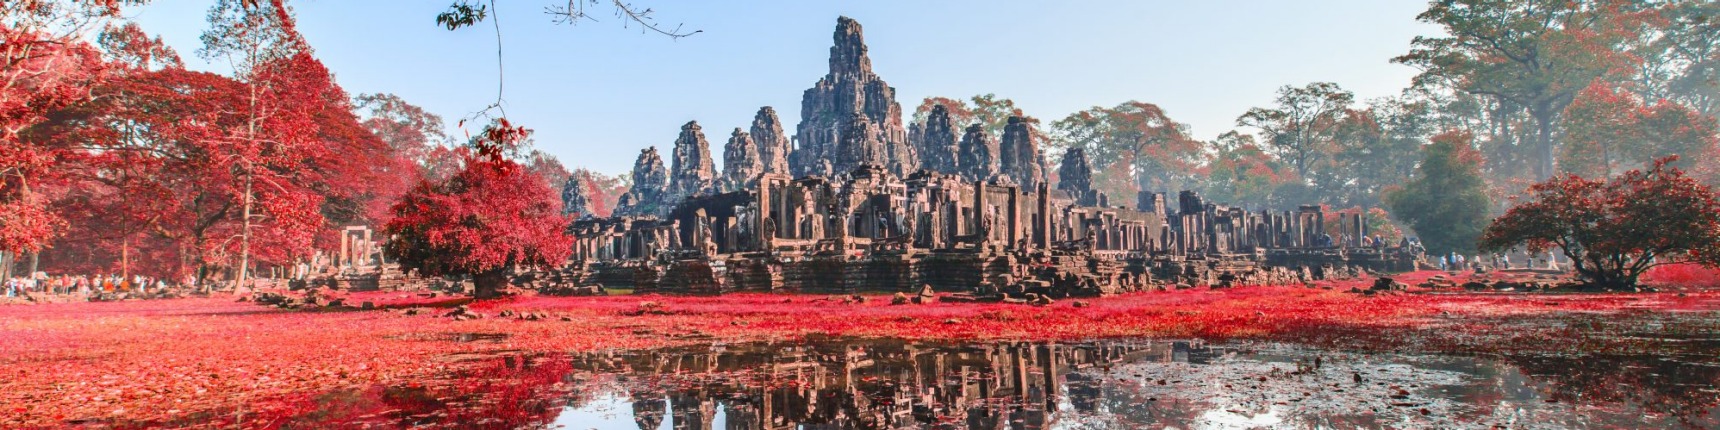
(1019, 156)
(650, 187)
(858, 212)
(828, 109)
(691, 171)
(859, 146)
(1075, 176)
(773, 147)
(741, 163)
(979, 158)
(937, 146)
(575, 198)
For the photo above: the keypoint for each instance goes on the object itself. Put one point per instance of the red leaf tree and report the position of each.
(44, 65)
(1617, 229)
(490, 218)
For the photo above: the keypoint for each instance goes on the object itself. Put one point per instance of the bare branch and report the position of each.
(575, 11)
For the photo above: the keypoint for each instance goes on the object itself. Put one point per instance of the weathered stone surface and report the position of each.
(1075, 175)
(828, 108)
(741, 163)
(773, 147)
(1019, 156)
(575, 198)
(650, 186)
(979, 158)
(938, 145)
(859, 146)
(691, 173)
(994, 231)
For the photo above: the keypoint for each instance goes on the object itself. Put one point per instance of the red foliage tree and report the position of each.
(1608, 130)
(489, 218)
(1615, 230)
(156, 166)
(44, 65)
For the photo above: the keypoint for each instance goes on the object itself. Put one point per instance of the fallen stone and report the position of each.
(899, 299)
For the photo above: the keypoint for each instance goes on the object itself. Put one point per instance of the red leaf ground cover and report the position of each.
(1683, 274)
(213, 359)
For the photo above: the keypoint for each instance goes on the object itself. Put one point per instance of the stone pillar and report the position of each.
(1319, 222)
(345, 247)
(1042, 225)
(763, 223)
(368, 245)
(1014, 236)
(979, 212)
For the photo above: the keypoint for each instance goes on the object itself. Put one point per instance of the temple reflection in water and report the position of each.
(878, 384)
(872, 384)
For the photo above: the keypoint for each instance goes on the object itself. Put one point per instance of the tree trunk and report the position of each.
(1543, 145)
(245, 238)
(488, 285)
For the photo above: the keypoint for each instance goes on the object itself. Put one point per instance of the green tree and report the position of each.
(1158, 152)
(1532, 54)
(988, 110)
(1444, 203)
(1302, 127)
(1682, 59)
(1609, 131)
(1242, 173)
(1375, 148)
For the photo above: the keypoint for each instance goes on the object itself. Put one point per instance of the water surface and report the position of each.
(870, 384)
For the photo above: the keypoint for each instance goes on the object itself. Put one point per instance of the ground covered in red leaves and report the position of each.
(217, 360)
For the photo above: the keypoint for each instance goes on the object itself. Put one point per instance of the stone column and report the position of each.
(1014, 236)
(979, 212)
(345, 249)
(1042, 225)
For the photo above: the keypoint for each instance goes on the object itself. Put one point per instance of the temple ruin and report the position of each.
(853, 204)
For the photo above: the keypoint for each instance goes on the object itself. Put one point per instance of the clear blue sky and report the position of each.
(597, 92)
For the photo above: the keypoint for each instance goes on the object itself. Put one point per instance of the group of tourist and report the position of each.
(81, 285)
(1456, 261)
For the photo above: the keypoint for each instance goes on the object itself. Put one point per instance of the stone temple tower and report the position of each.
(829, 107)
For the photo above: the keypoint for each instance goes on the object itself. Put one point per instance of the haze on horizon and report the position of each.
(598, 92)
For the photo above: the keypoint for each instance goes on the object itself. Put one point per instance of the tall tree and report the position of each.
(1609, 131)
(408, 129)
(1301, 126)
(1533, 54)
(1445, 203)
(256, 38)
(1681, 59)
(1160, 154)
(1374, 148)
(45, 65)
(109, 189)
(1243, 173)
